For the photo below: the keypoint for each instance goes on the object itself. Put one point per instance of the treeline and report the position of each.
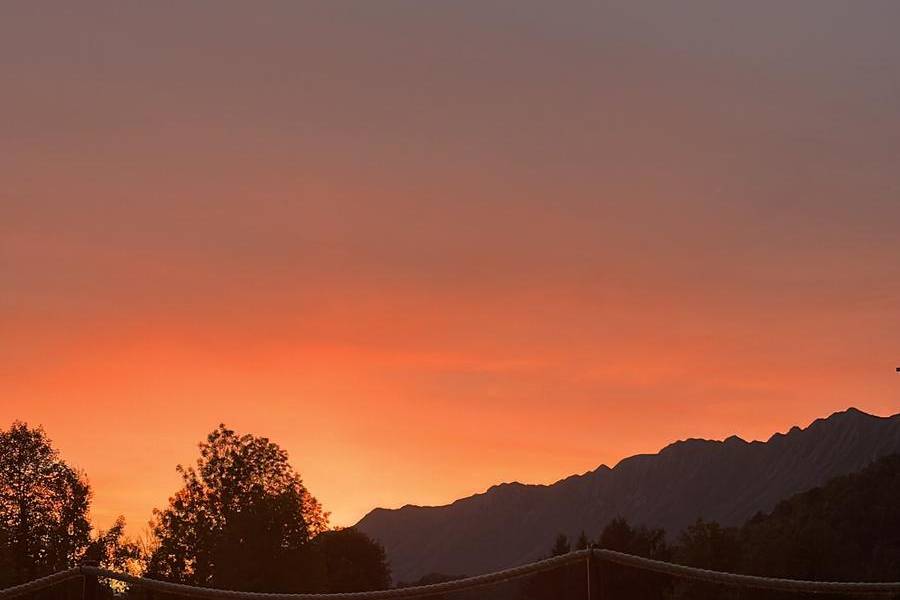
(242, 520)
(846, 530)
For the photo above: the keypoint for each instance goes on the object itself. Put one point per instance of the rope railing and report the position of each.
(747, 581)
(595, 555)
(406, 592)
(37, 585)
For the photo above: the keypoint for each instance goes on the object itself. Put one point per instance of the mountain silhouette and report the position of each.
(726, 481)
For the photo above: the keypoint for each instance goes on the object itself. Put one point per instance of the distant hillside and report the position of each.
(846, 530)
(726, 481)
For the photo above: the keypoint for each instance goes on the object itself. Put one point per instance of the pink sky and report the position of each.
(429, 248)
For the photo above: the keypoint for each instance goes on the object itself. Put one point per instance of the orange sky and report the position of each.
(432, 248)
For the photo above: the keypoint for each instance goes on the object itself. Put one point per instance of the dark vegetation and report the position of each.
(846, 530)
(244, 520)
(727, 481)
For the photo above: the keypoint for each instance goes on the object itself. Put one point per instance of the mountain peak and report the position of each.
(727, 481)
(507, 486)
(850, 413)
(734, 440)
(851, 417)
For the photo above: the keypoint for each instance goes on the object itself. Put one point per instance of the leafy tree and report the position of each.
(708, 545)
(43, 507)
(583, 542)
(621, 536)
(353, 562)
(623, 582)
(561, 545)
(242, 520)
(565, 581)
(848, 529)
(113, 550)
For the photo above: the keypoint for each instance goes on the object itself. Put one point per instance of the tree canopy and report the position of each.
(561, 545)
(44, 505)
(848, 529)
(352, 561)
(845, 530)
(242, 519)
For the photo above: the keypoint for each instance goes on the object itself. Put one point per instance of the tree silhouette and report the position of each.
(623, 582)
(353, 562)
(43, 507)
(561, 545)
(242, 520)
(565, 581)
(848, 529)
(112, 550)
(708, 545)
(583, 541)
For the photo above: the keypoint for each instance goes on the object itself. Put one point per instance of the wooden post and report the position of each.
(590, 567)
(91, 589)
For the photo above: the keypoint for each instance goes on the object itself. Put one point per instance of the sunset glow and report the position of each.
(429, 249)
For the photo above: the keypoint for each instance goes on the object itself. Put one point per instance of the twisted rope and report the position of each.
(36, 585)
(619, 558)
(410, 592)
(749, 581)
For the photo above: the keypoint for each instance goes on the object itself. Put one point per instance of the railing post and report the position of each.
(591, 576)
(91, 588)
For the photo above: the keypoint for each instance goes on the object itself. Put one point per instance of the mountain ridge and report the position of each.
(727, 480)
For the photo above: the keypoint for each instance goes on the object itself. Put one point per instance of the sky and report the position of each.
(428, 247)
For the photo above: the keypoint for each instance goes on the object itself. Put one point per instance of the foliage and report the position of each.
(621, 582)
(583, 542)
(708, 545)
(561, 545)
(242, 520)
(43, 507)
(619, 535)
(848, 529)
(352, 561)
(111, 549)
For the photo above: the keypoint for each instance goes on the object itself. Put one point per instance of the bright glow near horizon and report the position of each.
(432, 247)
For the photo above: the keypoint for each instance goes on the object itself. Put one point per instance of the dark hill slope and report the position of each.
(846, 530)
(727, 481)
